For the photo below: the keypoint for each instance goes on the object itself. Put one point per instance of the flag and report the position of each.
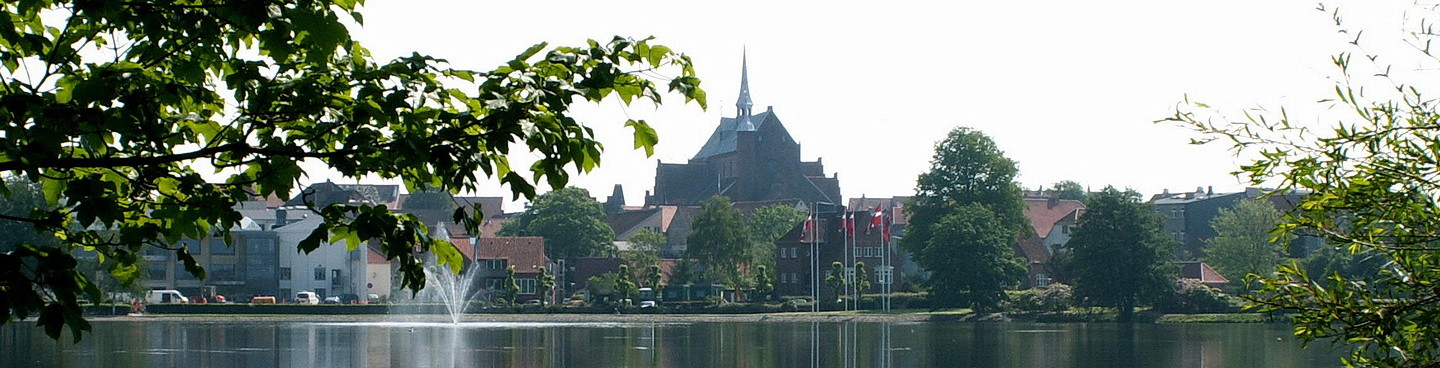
(850, 223)
(805, 236)
(878, 217)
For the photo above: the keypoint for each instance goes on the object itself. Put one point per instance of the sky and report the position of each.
(1067, 89)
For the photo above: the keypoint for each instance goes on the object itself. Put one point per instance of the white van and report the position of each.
(306, 297)
(165, 296)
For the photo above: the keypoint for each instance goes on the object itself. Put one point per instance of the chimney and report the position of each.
(279, 219)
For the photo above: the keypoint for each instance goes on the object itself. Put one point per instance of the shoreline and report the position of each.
(915, 317)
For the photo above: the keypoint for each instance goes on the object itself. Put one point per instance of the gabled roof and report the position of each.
(624, 221)
(1195, 270)
(324, 194)
(1033, 249)
(722, 141)
(1044, 213)
(526, 253)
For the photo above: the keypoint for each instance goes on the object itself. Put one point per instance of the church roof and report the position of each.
(722, 141)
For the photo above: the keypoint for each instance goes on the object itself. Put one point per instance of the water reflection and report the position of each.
(804, 344)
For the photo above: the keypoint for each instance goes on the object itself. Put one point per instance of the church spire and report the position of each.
(743, 104)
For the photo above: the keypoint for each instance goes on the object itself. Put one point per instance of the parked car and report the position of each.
(648, 304)
(349, 299)
(165, 296)
(535, 302)
(306, 297)
(331, 300)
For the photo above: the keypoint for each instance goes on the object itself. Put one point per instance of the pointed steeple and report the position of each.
(743, 103)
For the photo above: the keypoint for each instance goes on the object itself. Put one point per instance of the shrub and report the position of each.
(1192, 297)
(1056, 298)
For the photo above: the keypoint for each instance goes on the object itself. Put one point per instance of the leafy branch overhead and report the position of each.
(126, 113)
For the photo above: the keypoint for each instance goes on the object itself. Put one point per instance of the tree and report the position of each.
(511, 288)
(862, 278)
(1366, 184)
(119, 107)
(653, 276)
(1069, 189)
(24, 197)
(1119, 256)
(835, 280)
(967, 208)
(544, 284)
(767, 224)
(572, 223)
(720, 240)
(644, 248)
(1243, 243)
(764, 283)
(975, 253)
(623, 285)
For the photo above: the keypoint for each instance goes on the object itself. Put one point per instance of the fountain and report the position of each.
(453, 290)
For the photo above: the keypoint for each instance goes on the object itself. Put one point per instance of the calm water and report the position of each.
(804, 344)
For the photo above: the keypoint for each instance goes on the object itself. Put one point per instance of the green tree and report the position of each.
(767, 224)
(511, 288)
(967, 208)
(572, 223)
(720, 240)
(835, 280)
(652, 277)
(764, 283)
(1069, 189)
(644, 248)
(623, 285)
(1243, 243)
(862, 278)
(1119, 255)
(544, 284)
(119, 107)
(1367, 184)
(975, 252)
(24, 198)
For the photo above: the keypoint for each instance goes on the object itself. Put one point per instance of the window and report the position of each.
(192, 247)
(182, 274)
(1042, 280)
(496, 264)
(157, 271)
(218, 247)
(335, 274)
(319, 273)
(222, 272)
(527, 286)
(883, 274)
(850, 275)
(285, 275)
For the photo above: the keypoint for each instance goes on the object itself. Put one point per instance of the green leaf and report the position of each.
(645, 136)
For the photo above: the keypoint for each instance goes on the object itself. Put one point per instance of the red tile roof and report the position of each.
(1033, 249)
(1045, 212)
(526, 253)
(1200, 271)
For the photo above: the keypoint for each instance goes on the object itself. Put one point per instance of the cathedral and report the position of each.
(748, 158)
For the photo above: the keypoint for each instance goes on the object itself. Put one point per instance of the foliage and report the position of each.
(720, 240)
(1368, 185)
(764, 283)
(1069, 189)
(127, 109)
(1054, 298)
(509, 287)
(644, 248)
(623, 285)
(835, 280)
(1243, 243)
(1119, 255)
(653, 276)
(24, 197)
(601, 285)
(1192, 297)
(544, 283)
(862, 278)
(767, 224)
(966, 214)
(972, 260)
(572, 223)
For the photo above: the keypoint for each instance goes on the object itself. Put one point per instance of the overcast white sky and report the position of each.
(1066, 88)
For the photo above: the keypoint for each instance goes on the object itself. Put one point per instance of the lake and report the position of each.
(187, 343)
